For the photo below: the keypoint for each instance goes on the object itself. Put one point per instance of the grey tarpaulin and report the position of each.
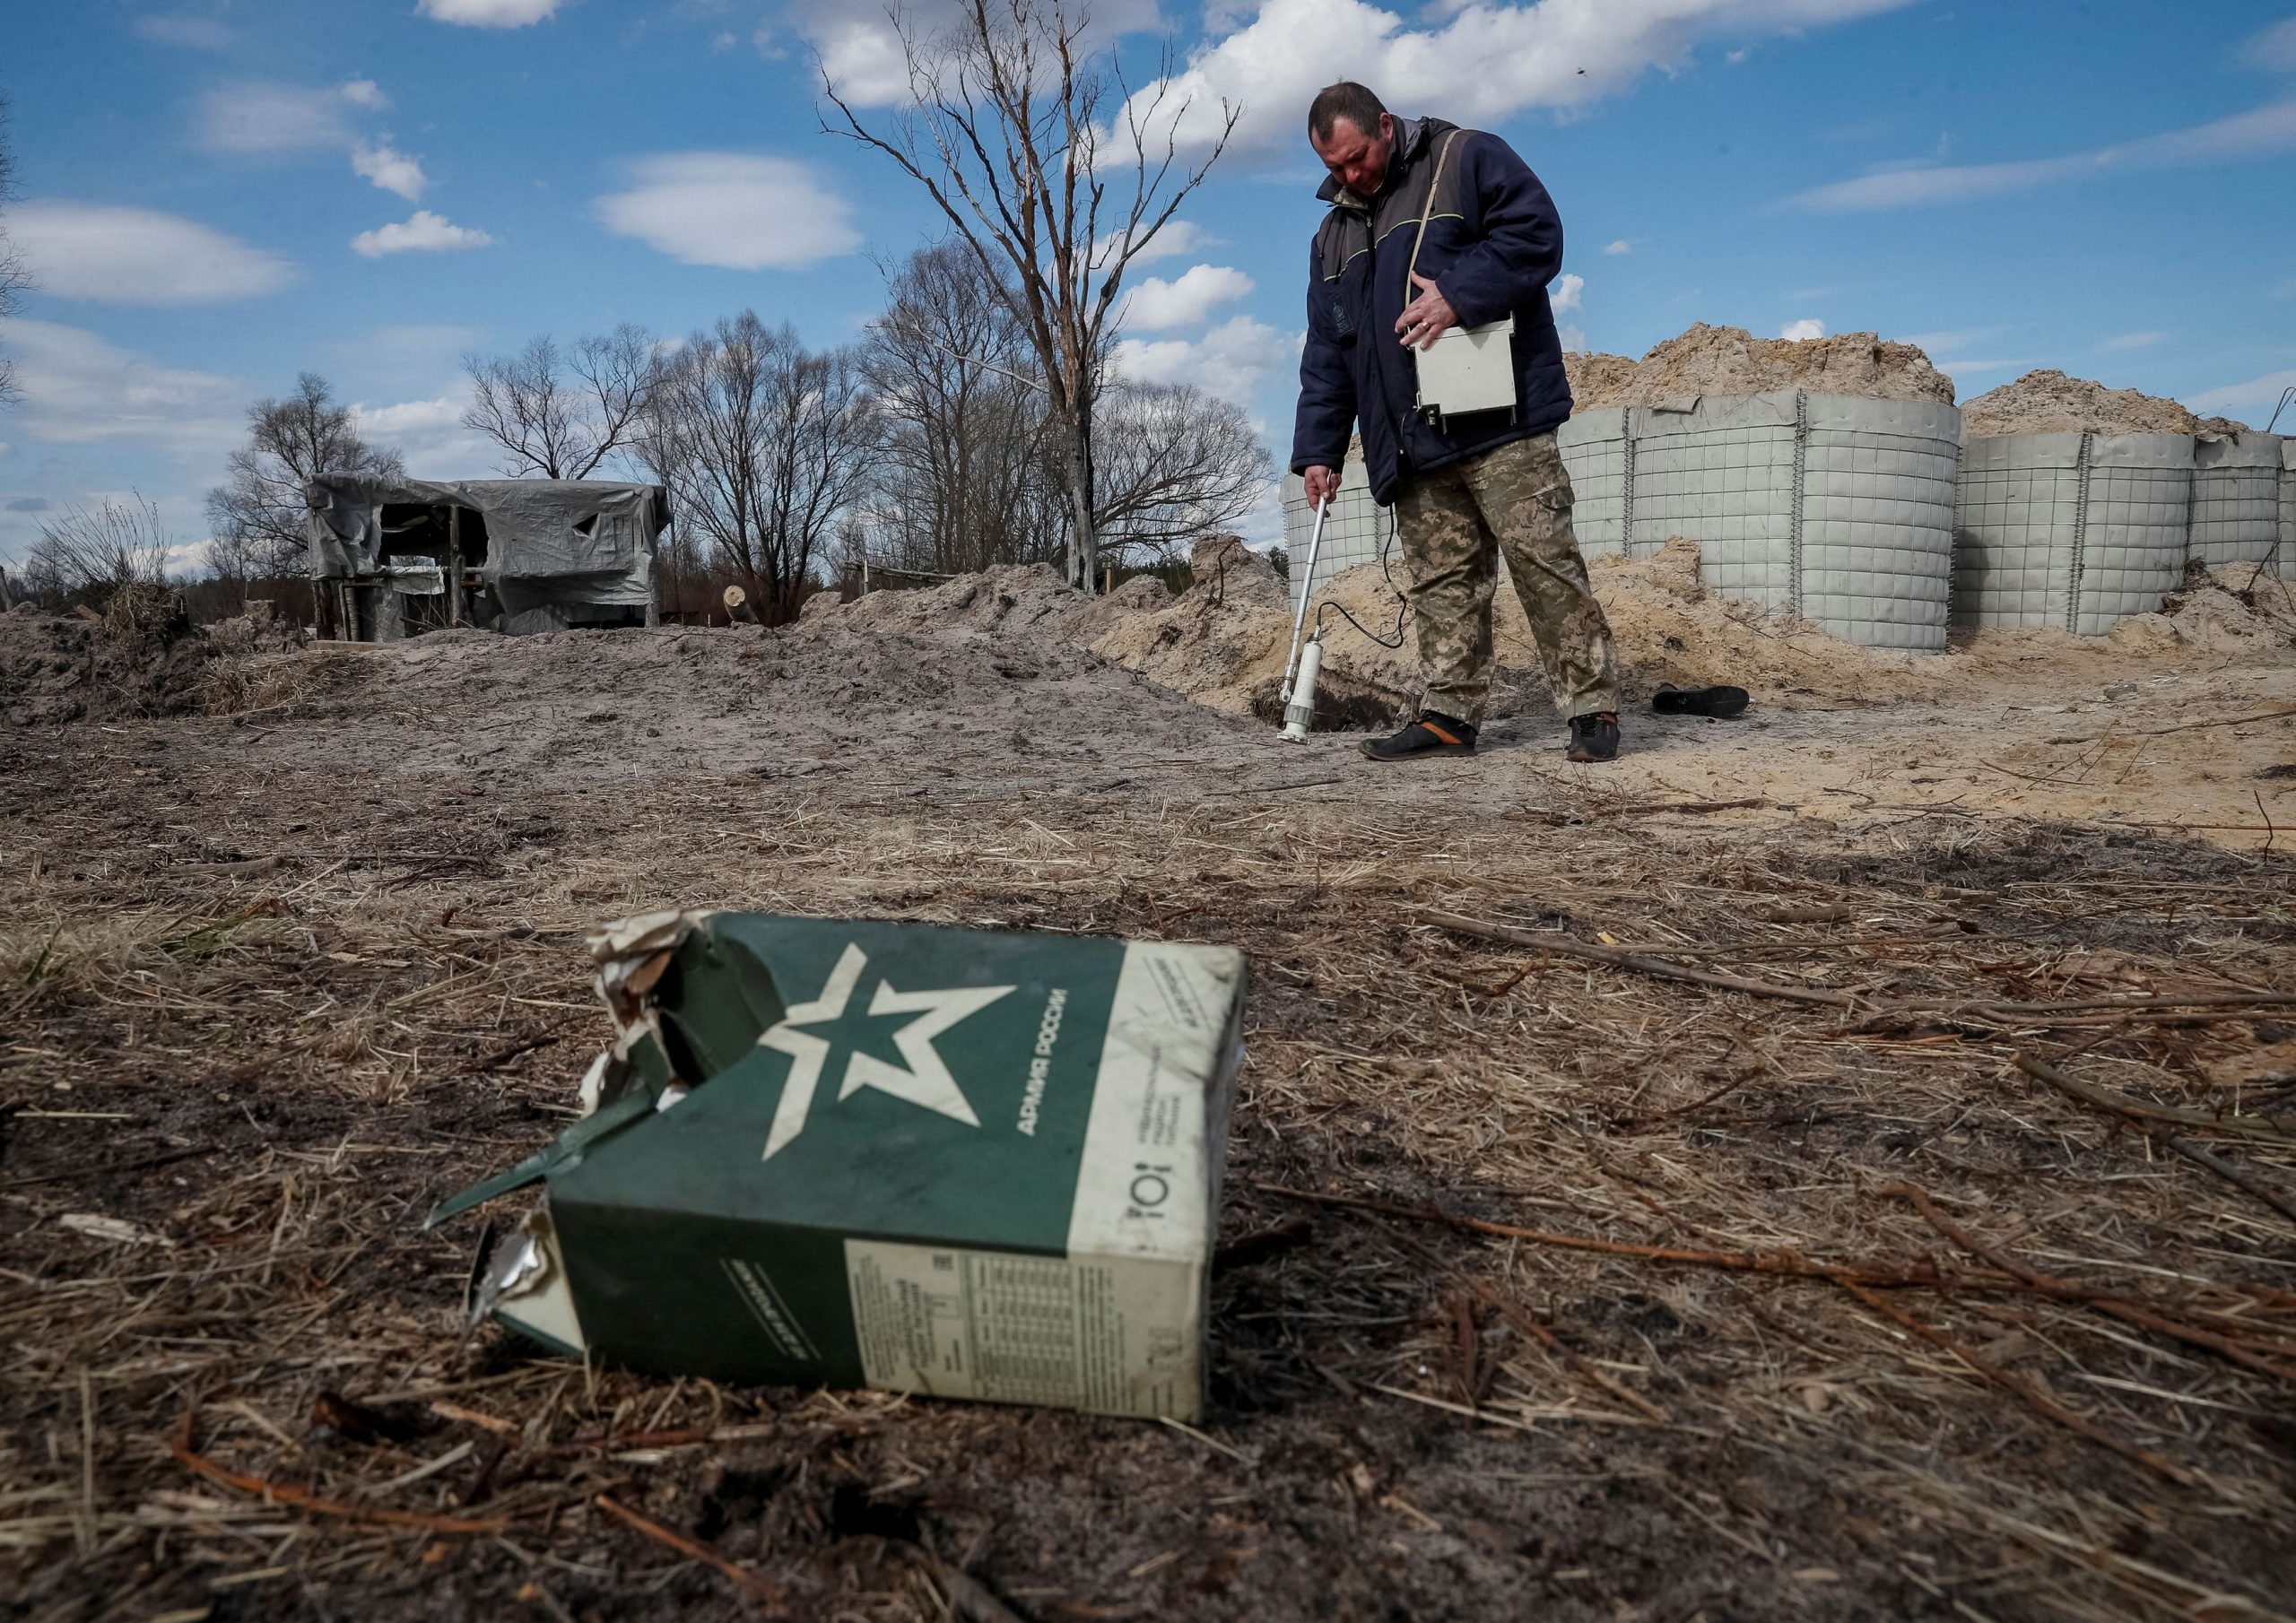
(2236, 499)
(2072, 530)
(547, 549)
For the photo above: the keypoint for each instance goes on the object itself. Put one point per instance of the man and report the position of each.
(1478, 484)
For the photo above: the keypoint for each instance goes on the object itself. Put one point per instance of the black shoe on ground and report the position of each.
(1433, 734)
(1721, 701)
(1593, 738)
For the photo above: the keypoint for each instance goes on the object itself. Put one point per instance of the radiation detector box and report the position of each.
(1468, 370)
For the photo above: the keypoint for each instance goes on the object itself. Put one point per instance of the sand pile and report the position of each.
(1228, 652)
(64, 668)
(1220, 642)
(1012, 596)
(2233, 609)
(2050, 403)
(1597, 379)
(1731, 360)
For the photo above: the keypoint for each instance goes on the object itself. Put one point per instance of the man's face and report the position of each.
(1356, 160)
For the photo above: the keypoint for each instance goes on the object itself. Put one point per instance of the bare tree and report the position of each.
(560, 416)
(961, 479)
(14, 275)
(259, 513)
(1003, 131)
(236, 559)
(763, 445)
(89, 555)
(1172, 462)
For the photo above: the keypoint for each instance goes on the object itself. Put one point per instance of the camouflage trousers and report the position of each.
(1453, 523)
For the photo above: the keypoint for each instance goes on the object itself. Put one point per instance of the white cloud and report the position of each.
(1566, 295)
(2261, 133)
(183, 30)
(402, 359)
(420, 232)
(1803, 330)
(2264, 391)
(429, 434)
(1185, 301)
(2275, 47)
(1178, 237)
(2132, 341)
(1231, 360)
(129, 256)
(1573, 340)
(363, 92)
(392, 170)
(863, 56)
(724, 42)
(735, 209)
(262, 116)
(1620, 246)
(81, 390)
(488, 13)
(1483, 64)
(1737, 56)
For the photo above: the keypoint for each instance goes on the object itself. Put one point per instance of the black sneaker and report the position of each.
(1433, 734)
(1593, 738)
(1720, 702)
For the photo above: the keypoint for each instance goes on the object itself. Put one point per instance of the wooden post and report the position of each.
(454, 565)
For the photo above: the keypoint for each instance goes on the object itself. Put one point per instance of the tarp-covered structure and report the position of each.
(516, 554)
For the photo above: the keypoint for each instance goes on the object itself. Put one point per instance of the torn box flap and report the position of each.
(636, 938)
(635, 1104)
(525, 1287)
(709, 997)
(635, 1060)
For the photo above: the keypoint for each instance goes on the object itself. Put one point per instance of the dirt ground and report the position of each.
(1794, 1298)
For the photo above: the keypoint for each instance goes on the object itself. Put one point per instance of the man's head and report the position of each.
(1353, 135)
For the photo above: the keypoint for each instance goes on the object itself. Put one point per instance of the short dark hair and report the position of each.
(1346, 99)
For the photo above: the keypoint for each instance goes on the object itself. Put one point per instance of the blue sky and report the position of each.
(216, 197)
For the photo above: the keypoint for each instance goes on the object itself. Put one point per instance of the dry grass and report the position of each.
(266, 1073)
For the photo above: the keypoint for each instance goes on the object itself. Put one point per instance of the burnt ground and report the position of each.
(270, 983)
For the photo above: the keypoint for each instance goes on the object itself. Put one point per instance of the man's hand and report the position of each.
(1323, 484)
(1425, 318)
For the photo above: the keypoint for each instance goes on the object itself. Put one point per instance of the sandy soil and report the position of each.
(1731, 360)
(276, 971)
(2050, 403)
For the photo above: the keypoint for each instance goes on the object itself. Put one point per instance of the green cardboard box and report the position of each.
(851, 1153)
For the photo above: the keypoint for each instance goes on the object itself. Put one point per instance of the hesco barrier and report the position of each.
(1836, 509)
(2284, 559)
(1597, 448)
(2071, 530)
(2236, 500)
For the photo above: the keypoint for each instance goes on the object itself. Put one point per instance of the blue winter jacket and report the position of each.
(1494, 243)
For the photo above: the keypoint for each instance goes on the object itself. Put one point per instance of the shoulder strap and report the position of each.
(1441, 153)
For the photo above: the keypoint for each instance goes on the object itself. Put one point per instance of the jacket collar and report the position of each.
(1411, 141)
